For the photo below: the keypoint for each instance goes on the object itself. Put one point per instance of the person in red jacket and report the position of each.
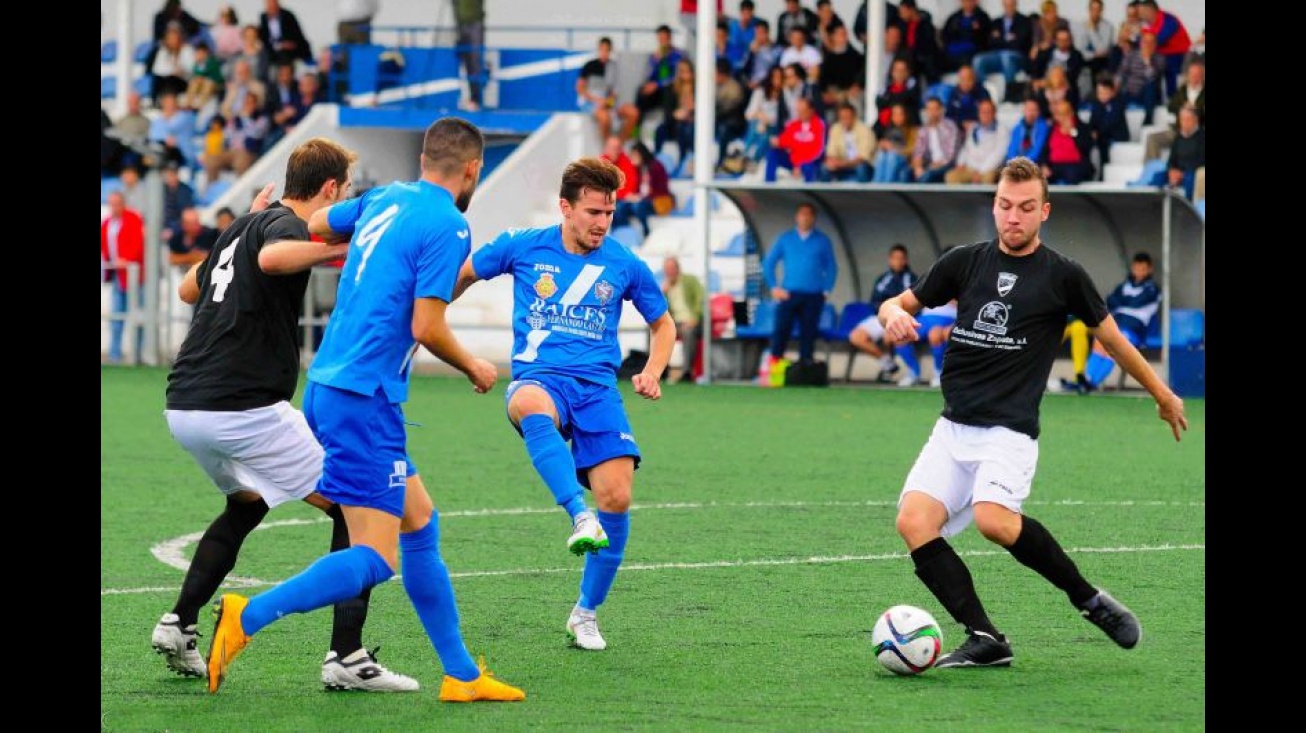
(1172, 42)
(122, 241)
(800, 146)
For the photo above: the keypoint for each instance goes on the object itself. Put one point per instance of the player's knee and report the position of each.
(997, 523)
(529, 401)
(916, 526)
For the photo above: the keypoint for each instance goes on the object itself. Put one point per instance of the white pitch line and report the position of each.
(760, 562)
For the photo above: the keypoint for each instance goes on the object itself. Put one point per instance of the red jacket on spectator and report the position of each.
(1171, 36)
(627, 169)
(131, 244)
(805, 141)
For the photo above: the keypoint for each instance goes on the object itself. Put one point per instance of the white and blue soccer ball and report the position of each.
(907, 640)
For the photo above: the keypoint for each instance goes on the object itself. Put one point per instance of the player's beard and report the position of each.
(1018, 241)
(464, 199)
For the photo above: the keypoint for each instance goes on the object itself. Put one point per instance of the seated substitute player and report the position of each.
(570, 281)
(1013, 296)
(409, 238)
(228, 404)
(1134, 303)
(935, 327)
(867, 335)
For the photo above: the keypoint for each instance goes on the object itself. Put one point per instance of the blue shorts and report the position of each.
(932, 321)
(366, 461)
(592, 417)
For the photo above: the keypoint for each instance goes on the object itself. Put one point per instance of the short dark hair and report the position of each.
(225, 210)
(1021, 169)
(747, 5)
(1106, 82)
(807, 205)
(935, 98)
(898, 248)
(799, 70)
(845, 105)
(819, 3)
(449, 143)
(314, 163)
(605, 41)
(723, 66)
(1143, 257)
(664, 28)
(761, 23)
(595, 174)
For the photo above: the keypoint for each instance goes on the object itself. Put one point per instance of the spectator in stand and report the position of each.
(762, 56)
(122, 242)
(1047, 24)
(1055, 87)
(722, 42)
(860, 22)
(655, 92)
(1030, 134)
(307, 93)
(281, 93)
(984, 150)
(1187, 154)
(596, 88)
(226, 35)
(133, 128)
(868, 336)
(469, 17)
(1140, 74)
(616, 154)
(206, 79)
(253, 53)
(246, 133)
(826, 21)
(801, 52)
(1107, 122)
(1094, 38)
(685, 297)
(223, 219)
(730, 122)
(133, 192)
(897, 141)
(902, 90)
(1063, 54)
(963, 103)
(965, 33)
(810, 272)
(111, 150)
(1191, 94)
(740, 36)
(800, 145)
(172, 12)
(851, 147)
(679, 125)
(172, 65)
(937, 144)
(192, 241)
(891, 51)
(654, 196)
(1066, 158)
(796, 16)
(843, 72)
(1011, 35)
(796, 87)
(762, 116)
(279, 30)
(177, 197)
(243, 84)
(1196, 52)
(1172, 41)
(1127, 37)
(920, 40)
(175, 129)
(213, 155)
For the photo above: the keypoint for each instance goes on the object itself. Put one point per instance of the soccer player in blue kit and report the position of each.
(408, 241)
(569, 284)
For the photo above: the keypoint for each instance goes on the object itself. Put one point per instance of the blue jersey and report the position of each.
(566, 307)
(409, 241)
(1134, 304)
(890, 285)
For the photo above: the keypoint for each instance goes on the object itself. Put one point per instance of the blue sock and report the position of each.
(554, 462)
(1099, 368)
(336, 577)
(938, 357)
(426, 579)
(601, 567)
(907, 352)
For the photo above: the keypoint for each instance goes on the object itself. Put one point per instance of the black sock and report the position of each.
(947, 577)
(1036, 548)
(349, 616)
(216, 555)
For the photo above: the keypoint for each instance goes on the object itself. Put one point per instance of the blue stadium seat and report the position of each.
(143, 51)
(108, 186)
(667, 162)
(763, 322)
(851, 315)
(109, 51)
(713, 281)
(627, 235)
(1187, 329)
(213, 192)
(144, 85)
(108, 87)
(733, 248)
(942, 91)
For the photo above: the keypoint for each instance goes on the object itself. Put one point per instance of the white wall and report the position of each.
(319, 19)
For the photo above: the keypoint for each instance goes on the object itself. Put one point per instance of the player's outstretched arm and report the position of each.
(1169, 407)
(189, 290)
(318, 225)
(466, 278)
(290, 256)
(431, 329)
(897, 317)
(647, 383)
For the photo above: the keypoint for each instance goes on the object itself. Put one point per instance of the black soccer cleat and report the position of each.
(1113, 618)
(979, 650)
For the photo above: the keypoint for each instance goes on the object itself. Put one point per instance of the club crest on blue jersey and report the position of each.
(536, 321)
(545, 287)
(603, 291)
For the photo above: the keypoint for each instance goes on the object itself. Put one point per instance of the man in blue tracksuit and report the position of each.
(1134, 303)
(809, 274)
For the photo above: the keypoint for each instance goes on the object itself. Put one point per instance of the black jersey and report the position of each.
(242, 350)
(1011, 313)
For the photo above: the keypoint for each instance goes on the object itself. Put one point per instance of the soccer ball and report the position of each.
(907, 640)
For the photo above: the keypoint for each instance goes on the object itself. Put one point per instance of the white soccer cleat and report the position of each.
(177, 645)
(584, 632)
(908, 379)
(361, 671)
(936, 381)
(587, 535)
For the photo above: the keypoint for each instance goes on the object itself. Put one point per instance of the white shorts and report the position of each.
(964, 464)
(872, 326)
(267, 450)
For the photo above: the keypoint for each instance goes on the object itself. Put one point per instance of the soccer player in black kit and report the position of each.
(1013, 295)
(228, 404)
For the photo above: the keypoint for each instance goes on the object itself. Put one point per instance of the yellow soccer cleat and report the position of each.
(484, 688)
(228, 637)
